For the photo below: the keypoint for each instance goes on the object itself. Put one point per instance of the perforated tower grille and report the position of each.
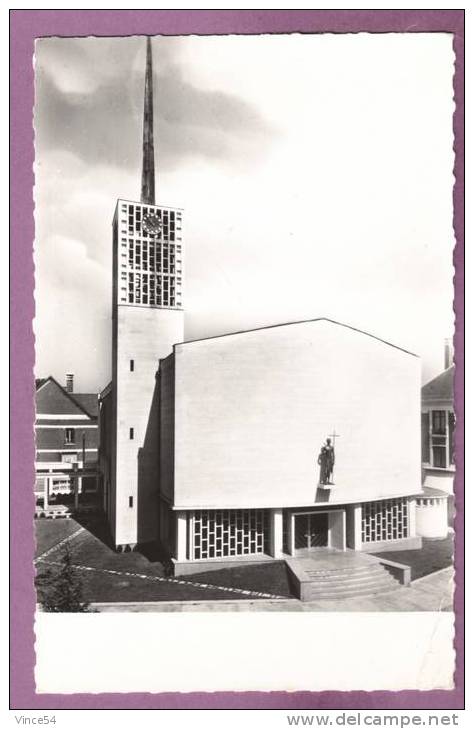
(150, 264)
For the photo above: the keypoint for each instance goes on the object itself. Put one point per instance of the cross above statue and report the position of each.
(334, 435)
(327, 459)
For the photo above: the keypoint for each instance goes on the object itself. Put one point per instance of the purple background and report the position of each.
(26, 25)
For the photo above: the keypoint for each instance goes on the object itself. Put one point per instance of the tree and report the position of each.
(61, 591)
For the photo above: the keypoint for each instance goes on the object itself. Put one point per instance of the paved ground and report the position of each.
(133, 577)
(112, 577)
(435, 555)
(51, 531)
(432, 593)
(271, 577)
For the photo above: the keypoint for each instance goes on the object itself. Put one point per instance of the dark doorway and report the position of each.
(311, 530)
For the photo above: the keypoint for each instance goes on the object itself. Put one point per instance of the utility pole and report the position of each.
(75, 478)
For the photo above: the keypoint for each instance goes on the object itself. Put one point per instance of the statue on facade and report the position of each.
(326, 460)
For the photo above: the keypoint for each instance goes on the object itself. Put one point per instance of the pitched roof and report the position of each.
(106, 391)
(294, 323)
(87, 402)
(430, 491)
(441, 387)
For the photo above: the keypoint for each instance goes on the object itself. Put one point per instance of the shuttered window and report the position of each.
(425, 437)
(451, 421)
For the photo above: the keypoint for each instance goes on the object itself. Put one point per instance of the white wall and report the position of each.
(432, 518)
(337, 525)
(144, 335)
(253, 409)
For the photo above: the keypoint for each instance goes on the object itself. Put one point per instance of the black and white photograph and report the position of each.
(244, 327)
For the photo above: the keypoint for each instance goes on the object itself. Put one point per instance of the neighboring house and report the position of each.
(437, 427)
(67, 437)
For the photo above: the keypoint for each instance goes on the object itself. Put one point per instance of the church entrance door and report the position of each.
(311, 530)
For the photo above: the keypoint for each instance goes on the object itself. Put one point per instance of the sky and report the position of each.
(315, 173)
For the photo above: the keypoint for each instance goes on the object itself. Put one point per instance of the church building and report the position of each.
(252, 445)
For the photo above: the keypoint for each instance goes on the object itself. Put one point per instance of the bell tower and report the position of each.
(147, 320)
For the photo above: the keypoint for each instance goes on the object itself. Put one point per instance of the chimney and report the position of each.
(448, 354)
(69, 382)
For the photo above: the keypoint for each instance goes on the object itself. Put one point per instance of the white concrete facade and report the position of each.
(245, 417)
(342, 531)
(253, 409)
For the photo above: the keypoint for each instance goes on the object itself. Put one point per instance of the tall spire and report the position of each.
(148, 168)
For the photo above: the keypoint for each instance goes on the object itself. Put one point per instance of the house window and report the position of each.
(438, 422)
(437, 436)
(69, 458)
(451, 421)
(70, 435)
(132, 365)
(130, 502)
(132, 434)
(425, 437)
(439, 452)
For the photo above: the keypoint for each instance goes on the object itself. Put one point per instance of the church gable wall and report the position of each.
(253, 409)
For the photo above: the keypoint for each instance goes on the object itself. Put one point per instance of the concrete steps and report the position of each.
(345, 574)
(354, 580)
(369, 585)
(339, 575)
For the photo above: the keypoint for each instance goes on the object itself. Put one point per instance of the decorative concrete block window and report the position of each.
(70, 435)
(228, 533)
(385, 520)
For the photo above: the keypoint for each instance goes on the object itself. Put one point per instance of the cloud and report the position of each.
(72, 312)
(342, 210)
(99, 115)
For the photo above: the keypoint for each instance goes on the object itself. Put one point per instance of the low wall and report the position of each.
(393, 545)
(401, 572)
(189, 568)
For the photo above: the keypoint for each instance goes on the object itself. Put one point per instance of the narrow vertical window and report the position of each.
(438, 438)
(439, 422)
(132, 365)
(425, 437)
(130, 501)
(451, 426)
(131, 434)
(70, 436)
